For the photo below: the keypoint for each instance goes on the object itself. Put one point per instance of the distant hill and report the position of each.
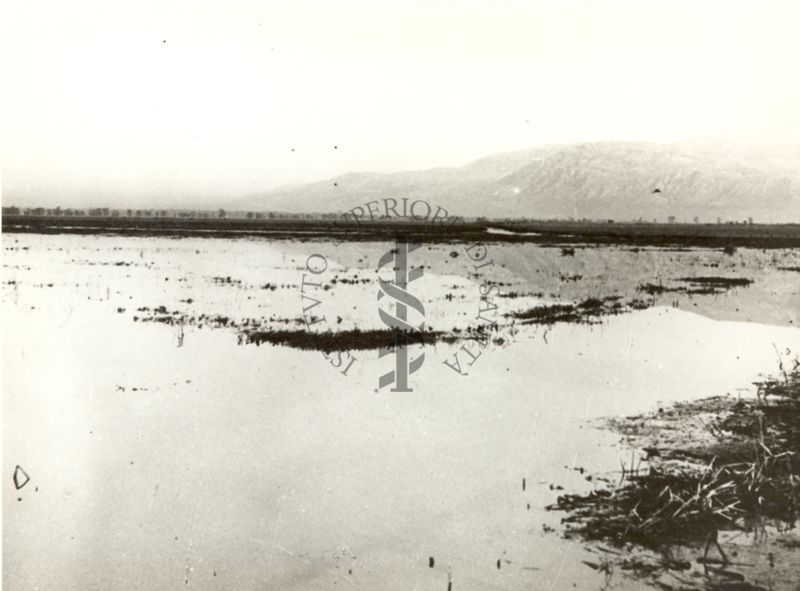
(614, 180)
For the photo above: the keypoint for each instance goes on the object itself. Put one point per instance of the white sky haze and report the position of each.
(193, 101)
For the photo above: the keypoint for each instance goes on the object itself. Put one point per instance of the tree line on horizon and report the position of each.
(221, 214)
(199, 214)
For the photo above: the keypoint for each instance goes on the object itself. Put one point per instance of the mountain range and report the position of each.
(602, 180)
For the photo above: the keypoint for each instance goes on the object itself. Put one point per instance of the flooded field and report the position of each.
(174, 433)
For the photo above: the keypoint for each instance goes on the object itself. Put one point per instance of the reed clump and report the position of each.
(687, 493)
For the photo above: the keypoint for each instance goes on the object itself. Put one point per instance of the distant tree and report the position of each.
(671, 219)
(249, 215)
(221, 214)
(696, 220)
(749, 220)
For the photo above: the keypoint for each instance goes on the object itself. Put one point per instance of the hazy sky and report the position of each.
(105, 101)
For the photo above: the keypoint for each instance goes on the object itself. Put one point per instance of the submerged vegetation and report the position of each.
(587, 311)
(697, 285)
(344, 340)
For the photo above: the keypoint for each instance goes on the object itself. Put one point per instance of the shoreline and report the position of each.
(709, 474)
(546, 232)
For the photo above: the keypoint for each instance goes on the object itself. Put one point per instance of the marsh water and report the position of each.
(165, 454)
